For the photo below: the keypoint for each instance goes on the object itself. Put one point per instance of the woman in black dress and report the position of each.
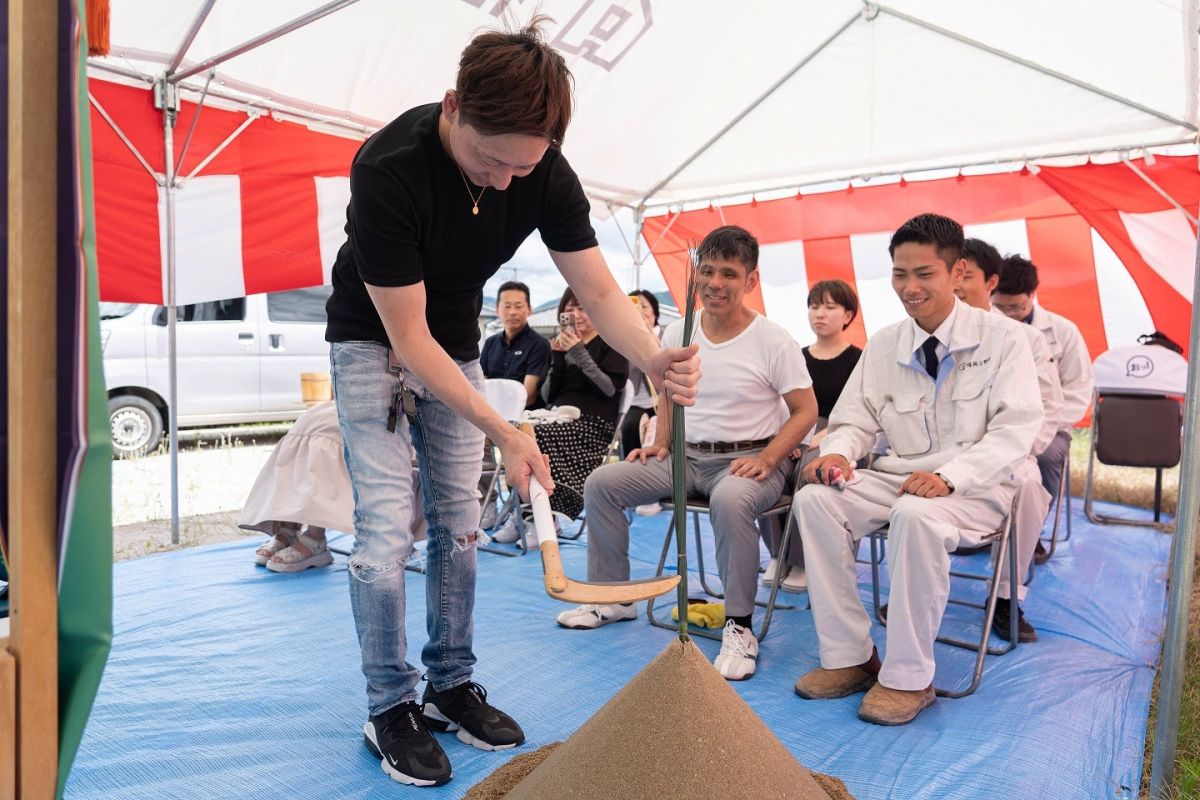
(587, 374)
(832, 306)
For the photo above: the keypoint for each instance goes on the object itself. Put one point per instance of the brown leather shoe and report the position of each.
(884, 706)
(830, 684)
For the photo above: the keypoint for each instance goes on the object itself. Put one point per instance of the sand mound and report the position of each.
(676, 729)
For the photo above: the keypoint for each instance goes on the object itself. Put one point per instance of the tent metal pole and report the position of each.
(103, 112)
(253, 115)
(187, 140)
(170, 107)
(1161, 191)
(360, 129)
(757, 102)
(190, 36)
(652, 205)
(1062, 76)
(1183, 557)
(639, 215)
(257, 41)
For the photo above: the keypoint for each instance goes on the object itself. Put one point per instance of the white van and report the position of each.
(239, 360)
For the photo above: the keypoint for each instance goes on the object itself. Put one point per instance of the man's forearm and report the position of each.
(425, 358)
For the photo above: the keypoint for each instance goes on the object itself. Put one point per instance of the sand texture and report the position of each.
(676, 730)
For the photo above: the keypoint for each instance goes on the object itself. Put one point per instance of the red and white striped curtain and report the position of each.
(1114, 253)
(266, 214)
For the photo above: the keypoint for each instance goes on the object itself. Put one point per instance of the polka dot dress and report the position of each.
(575, 450)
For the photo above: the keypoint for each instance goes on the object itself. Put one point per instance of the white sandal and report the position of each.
(290, 559)
(284, 539)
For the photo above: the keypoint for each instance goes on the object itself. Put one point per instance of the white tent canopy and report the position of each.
(687, 100)
(683, 101)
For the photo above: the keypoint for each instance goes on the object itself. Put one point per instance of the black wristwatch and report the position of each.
(946, 481)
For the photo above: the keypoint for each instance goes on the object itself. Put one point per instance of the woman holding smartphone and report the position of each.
(588, 374)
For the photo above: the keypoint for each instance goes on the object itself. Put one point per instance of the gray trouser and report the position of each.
(734, 504)
(1052, 459)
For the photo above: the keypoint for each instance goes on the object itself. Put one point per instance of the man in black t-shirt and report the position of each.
(440, 198)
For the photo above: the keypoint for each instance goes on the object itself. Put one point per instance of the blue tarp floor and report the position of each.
(226, 681)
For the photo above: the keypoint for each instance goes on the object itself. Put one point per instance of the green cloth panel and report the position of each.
(85, 590)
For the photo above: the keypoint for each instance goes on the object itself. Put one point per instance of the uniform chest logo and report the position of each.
(967, 364)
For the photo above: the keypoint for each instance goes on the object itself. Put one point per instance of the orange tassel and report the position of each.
(97, 27)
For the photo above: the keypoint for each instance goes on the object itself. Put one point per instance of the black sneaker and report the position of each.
(1040, 554)
(1000, 623)
(407, 750)
(465, 709)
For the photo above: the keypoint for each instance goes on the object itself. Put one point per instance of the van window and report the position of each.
(116, 310)
(298, 305)
(231, 310)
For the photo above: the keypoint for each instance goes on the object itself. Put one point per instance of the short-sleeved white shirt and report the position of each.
(738, 398)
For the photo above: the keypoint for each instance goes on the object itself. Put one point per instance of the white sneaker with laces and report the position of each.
(587, 617)
(796, 581)
(507, 534)
(739, 653)
(768, 576)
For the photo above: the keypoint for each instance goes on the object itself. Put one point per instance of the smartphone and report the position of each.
(566, 321)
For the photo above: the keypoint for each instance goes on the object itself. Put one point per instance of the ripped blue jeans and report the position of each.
(446, 448)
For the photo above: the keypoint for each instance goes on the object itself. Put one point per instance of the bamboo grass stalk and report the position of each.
(679, 455)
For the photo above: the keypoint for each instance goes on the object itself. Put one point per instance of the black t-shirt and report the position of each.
(409, 220)
(829, 376)
(569, 386)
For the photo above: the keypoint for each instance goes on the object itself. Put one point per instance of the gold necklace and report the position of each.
(474, 200)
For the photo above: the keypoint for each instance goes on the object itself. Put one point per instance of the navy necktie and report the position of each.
(931, 357)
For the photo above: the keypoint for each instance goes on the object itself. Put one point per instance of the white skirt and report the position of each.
(305, 480)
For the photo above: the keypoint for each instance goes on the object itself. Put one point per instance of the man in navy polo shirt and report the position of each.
(519, 353)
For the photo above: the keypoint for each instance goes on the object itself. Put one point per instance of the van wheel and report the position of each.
(136, 425)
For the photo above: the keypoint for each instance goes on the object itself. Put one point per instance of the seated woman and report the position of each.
(303, 486)
(302, 490)
(643, 399)
(588, 374)
(832, 306)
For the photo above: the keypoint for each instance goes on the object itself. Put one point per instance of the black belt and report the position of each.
(728, 447)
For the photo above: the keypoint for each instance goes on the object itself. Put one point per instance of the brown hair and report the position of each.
(514, 82)
(839, 292)
(567, 297)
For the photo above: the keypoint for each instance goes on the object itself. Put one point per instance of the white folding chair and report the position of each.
(507, 397)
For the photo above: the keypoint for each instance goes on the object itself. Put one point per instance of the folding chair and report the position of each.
(699, 505)
(1134, 430)
(507, 398)
(1003, 546)
(1064, 496)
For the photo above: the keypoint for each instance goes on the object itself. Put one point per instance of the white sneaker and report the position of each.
(592, 616)
(531, 536)
(796, 581)
(648, 510)
(508, 531)
(768, 576)
(487, 520)
(739, 653)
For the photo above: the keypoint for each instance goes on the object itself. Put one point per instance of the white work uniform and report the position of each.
(1071, 358)
(1033, 503)
(974, 426)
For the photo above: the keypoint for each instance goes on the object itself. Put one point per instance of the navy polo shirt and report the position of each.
(527, 354)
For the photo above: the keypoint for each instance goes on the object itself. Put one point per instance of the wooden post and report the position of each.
(8, 722)
(32, 334)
